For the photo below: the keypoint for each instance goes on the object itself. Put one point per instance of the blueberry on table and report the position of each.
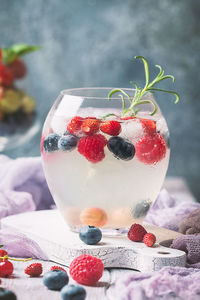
(55, 280)
(7, 294)
(50, 143)
(67, 142)
(121, 148)
(73, 292)
(90, 235)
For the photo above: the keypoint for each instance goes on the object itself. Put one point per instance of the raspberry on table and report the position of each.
(6, 268)
(149, 239)
(86, 269)
(34, 270)
(92, 147)
(90, 126)
(74, 126)
(57, 268)
(136, 233)
(111, 127)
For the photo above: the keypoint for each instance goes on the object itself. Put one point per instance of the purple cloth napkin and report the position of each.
(167, 283)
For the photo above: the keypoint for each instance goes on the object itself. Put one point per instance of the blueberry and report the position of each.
(67, 142)
(121, 148)
(7, 294)
(90, 235)
(141, 208)
(55, 280)
(73, 292)
(51, 142)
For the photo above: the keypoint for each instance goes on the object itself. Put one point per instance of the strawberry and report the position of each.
(92, 147)
(34, 270)
(90, 126)
(149, 126)
(136, 233)
(18, 68)
(127, 118)
(150, 149)
(149, 239)
(111, 127)
(74, 126)
(6, 76)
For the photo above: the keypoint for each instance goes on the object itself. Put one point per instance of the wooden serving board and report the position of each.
(48, 229)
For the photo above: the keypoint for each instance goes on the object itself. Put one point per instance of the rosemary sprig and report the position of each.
(141, 92)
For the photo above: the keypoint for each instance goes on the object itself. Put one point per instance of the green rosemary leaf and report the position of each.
(150, 102)
(166, 91)
(161, 73)
(146, 69)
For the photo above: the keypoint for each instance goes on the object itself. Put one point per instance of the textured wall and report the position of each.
(91, 43)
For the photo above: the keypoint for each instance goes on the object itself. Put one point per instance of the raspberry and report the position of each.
(34, 270)
(136, 233)
(3, 253)
(74, 126)
(86, 269)
(149, 126)
(92, 147)
(90, 126)
(149, 239)
(150, 149)
(18, 68)
(6, 268)
(6, 76)
(111, 127)
(57, 268)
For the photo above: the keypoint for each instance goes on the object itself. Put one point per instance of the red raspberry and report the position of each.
(6, 76)
(18, 68)
(34, 270)
(92, 147)
(3, 253)
(136, 233)
(111, 127)
(149, 126)
(86, 269)
(74, 126)
(6, 268)
(149, 239)
(57, 268)
(150, 149)
(90, 126)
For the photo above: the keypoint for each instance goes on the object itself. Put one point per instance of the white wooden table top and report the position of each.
(32, 288)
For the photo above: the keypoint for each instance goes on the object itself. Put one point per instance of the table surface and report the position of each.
(33, 288)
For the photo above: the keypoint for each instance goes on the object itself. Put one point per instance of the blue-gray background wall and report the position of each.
(92, 43)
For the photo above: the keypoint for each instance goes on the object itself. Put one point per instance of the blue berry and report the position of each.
(51, 142)
(55, 280)
(121, 148)
(7, 294)
(90, 235)
(73, 292)
(67, 142)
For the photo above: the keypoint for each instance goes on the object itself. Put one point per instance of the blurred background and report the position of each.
(92, 43)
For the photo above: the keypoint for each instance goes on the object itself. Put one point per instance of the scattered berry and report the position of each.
(93, 216)
(57, 268)
(73, 292)
(6, 76)
(55, 280)
(121, 148)
(50, 143)
(111, 127)
(18, 68)
(150, 149)
(67, 142)
(90, 235)
(86, 269)
(149, 239)
(149, 126)
(136, 233)
(3, 253)
(90, 126)
(92, 147)
(7, 294)
(6, 268)
(74, 126)
(34, 270)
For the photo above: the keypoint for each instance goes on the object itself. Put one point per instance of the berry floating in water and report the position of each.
(73, 292)
(74, 126)
(90, 235)
(55, 280)
(50, 143)
(90, 126)
(67, 142)
(121, 148)
(111, 127)
(93, 216)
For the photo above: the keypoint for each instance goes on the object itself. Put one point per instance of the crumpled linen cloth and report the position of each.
(191, 223)
(163, 284)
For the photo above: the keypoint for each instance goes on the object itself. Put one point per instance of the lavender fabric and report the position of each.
(167, 283)
(191, 223)
(167, 211)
